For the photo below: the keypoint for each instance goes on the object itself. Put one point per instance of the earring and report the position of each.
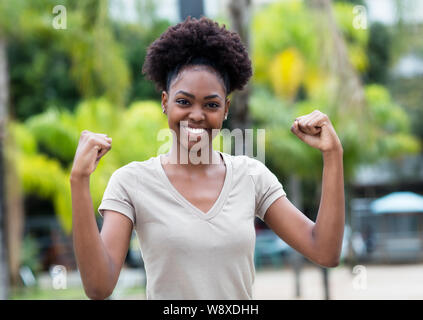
(226, 116)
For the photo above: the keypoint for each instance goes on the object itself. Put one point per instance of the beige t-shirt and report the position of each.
(189, 254)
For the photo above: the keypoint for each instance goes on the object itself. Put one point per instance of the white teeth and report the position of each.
(195, 130)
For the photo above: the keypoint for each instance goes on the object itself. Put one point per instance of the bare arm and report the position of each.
(99, 256)
(321, 242)
(329, 228)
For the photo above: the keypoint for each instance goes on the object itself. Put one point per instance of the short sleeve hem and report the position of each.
(116, 205)
(268, 202)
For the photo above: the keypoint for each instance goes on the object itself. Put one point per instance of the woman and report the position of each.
(195, 220)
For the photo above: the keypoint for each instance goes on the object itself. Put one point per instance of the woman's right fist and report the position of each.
(91, 148)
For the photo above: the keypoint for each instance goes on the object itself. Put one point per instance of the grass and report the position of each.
(48, 294)
(73, 293)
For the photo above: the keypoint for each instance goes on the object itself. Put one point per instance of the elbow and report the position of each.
(331, 263)
(97, 294)
(328, 262)
(98, 288)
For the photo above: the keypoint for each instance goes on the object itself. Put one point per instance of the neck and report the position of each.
(193, 160)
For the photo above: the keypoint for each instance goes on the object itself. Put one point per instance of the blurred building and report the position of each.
(394, 234)
(388, 229)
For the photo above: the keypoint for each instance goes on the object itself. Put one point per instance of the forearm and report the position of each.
(92, 259)
(329, 227)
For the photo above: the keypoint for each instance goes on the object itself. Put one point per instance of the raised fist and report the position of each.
(91, 148)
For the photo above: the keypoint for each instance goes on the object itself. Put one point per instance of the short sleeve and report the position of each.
(116, 196)
(267, 187)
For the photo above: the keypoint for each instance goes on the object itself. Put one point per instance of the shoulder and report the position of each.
(135, 169)
(246, 165)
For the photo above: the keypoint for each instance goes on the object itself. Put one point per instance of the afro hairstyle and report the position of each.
(198, 42)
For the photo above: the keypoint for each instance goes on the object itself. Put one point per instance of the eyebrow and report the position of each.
(193, 97)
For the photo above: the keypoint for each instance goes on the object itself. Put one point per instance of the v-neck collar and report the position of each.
(217, 206)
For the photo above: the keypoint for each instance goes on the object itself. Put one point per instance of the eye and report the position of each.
(213, 105)
(182, 102)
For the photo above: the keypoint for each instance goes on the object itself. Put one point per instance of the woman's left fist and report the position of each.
(317, 131)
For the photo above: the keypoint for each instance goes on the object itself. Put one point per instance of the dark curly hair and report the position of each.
(198, 42)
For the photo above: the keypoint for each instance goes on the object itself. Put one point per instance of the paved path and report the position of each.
(368, 282)
(371, 282)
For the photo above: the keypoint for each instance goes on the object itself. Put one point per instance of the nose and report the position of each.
(196, 114)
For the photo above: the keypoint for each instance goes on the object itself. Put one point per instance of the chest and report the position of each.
(202, 191)
(178, 234)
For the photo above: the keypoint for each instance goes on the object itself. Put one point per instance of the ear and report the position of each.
(165, 98)
(227, 105)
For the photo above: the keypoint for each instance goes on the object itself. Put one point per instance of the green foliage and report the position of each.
(38, 63)
(378, 51)
(39, 77)
(135, 39)
(356, 39)
(391, 125)
(344, 16)
(23, 138)
(30, 254)
(53, 135)
(355, 2)
(277, 118)
(97, 64)
(59, 67)
(92, 57)
(277, 27)
(286, 51)
(409, 94)
(386, 132)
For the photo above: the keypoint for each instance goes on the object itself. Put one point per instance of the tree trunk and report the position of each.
(238, 116)
(193, 8)
(325, 271)
(14, 211)
(296, 197)
(4, 274)
(12, 204)
(349, 98)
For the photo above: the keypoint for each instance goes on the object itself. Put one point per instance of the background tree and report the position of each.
(239, 17)
(407, 42)
(378, 52)
(4, 268)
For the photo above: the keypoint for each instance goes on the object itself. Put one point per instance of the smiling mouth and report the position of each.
(194, 131)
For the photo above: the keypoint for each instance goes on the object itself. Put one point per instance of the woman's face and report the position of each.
(195, 104)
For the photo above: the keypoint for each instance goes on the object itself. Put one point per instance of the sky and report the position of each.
(377, 10)
(385, 10)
